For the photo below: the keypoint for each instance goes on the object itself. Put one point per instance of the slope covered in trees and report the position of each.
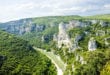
(80, 59)
(17, 57)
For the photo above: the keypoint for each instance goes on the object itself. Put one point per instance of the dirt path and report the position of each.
(55, 60)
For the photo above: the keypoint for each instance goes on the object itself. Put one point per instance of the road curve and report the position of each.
(55, 60)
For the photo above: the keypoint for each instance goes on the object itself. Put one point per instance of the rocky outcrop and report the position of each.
(22, 31)
(74, 23)
(75, 43)
(103, 23)
(63, 38)
(94, 21)
(100, 33)
(92, 44)
(107, 41)
(21, 26)
(78, 37)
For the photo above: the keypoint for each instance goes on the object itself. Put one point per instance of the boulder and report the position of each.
(92, 45)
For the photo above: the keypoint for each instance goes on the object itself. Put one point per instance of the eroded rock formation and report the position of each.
(92, 44)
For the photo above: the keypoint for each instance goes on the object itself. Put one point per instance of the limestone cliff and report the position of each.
(92, 44)
(63, 38)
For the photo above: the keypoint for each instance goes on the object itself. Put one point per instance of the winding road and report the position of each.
(55, 60)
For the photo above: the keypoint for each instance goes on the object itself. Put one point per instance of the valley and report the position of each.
(55, 59)
(68, 45)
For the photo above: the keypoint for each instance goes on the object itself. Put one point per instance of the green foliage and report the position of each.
(19, 58)
(94, 60)
(106, 69)
(54, 19)
(103, 16)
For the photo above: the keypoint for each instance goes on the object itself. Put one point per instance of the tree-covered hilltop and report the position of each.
(17, 57)
(101, 16)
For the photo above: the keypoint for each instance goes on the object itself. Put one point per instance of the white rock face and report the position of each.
(74, 23)
(63, 38)
(94, 21)
(75, 43)
(92, 45)
(103, 24)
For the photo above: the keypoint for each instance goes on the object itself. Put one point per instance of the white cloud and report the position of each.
(107, 6)
(33, 8)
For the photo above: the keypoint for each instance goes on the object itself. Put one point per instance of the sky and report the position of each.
(18, 9)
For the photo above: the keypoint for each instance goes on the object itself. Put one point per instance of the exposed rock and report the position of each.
(103, 24)
(75, 46)
(86, 23)
(22, 31)
(27, 29)
(78, 23)
(74, 23)
(75, 43)
(42, 39)
(78, 37)
(21, 26)
(100, 33)
(55, 37)
(63, 38)
(94, 21)
(92, 44)
(32, 27)
(107, 41)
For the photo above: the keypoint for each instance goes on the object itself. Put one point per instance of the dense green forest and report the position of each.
(17, 57)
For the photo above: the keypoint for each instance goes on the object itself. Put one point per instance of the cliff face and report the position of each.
(92, 45)
(73, 40)
(86, 42)
(21, 26)
(63, 38)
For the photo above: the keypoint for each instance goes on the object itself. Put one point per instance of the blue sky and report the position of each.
(17, 9)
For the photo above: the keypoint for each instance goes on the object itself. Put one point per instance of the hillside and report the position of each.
(102, 16)
(17, 57)
(83, 43)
